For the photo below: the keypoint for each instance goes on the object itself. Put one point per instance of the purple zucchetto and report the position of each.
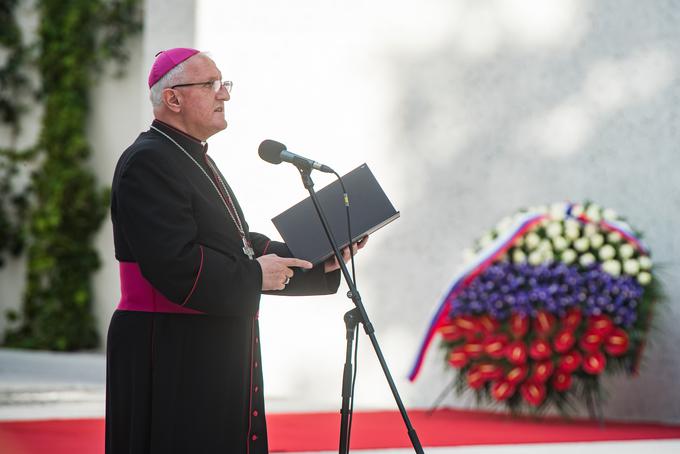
(168, 59)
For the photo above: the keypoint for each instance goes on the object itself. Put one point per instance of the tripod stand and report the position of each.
(352, 319)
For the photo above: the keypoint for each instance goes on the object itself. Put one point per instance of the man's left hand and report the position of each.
(332, 263)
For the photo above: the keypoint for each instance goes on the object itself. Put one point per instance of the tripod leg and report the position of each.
(440, 398)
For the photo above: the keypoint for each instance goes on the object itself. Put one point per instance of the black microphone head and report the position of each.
(270, 151)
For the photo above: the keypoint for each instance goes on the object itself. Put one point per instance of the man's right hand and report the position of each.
(276, 271)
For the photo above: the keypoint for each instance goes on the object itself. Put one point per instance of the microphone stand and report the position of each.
(352, 318)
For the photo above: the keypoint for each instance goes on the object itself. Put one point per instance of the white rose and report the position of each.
(535, 258)
(557, 211)
(572, 229)
(485, 240)
(609, 214)
(568, 256)
(504, 224)
(607, 252)
(645, 262)
(582, 244)
(577, 210)
(545, 246)
(560, 243)
(644, 278)
(590, 229)
(518, 256)
(631, 266)
(593, 212)
(548, 256)
(596, 241)
(626, 251)
(586, 259)
(468, 255)
(532, 240)
(614, 237)
(554, 229)
(612, 267)
(572, 233)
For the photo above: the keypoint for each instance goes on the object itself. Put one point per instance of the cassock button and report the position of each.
(257, 340)
(257, 388)
(255, 413)
(254, 437)
(255, 364)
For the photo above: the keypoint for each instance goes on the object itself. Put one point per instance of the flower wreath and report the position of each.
(548, 301)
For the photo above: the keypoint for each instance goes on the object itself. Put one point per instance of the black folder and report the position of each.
(370, 209)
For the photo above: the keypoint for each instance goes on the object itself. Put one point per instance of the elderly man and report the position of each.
(183, 356)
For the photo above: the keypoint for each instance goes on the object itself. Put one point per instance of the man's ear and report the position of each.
(171, 100)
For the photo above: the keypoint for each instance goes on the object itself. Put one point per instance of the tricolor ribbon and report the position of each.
(468, 274)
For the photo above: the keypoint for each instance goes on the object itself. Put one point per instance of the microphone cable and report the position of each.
(345, 198)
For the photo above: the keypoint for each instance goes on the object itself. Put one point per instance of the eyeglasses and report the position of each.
(214, 84)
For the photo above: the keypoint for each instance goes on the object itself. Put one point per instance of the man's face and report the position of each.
(202, 109)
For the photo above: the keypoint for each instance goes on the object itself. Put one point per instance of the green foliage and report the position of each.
(65, 206)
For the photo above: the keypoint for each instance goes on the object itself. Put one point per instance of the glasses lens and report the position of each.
(226, 84)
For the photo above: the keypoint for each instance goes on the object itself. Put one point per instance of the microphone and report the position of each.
(275, 152)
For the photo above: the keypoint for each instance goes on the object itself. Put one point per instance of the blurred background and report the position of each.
(465, 111)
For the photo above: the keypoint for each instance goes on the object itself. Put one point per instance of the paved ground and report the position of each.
(40, 385)
(43, 385)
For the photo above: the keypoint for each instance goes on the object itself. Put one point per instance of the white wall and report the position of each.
(465, 111)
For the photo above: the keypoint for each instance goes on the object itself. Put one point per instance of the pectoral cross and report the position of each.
(247, 249)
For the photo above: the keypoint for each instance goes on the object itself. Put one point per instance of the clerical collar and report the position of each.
(186, 140)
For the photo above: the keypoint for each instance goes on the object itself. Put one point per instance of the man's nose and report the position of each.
(223, 94)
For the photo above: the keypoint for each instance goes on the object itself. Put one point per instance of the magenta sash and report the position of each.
(137, 294)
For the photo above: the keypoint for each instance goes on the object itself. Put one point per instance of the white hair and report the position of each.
(172, 77)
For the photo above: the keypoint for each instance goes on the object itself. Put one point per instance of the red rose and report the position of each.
(451, 332)
(561, 381)
(458, 358)
(542, 371)
(490, 371)
(593, 363)
(569, 362)
(533, 392)
(616, 344)
(474, 378)
(501, 390)
(494, 346)
(600, 324)
(519, 325)
(564, 340)
(572, 320)
(466, 323)
(544, 323)
(473, 349)
(540, 349)
(488, 324)
(516, 352)
(590, 341)
(516, 374)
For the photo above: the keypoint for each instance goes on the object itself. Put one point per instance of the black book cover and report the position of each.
(370, 209)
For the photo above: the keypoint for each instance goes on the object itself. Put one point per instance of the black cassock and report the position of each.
(183, 355)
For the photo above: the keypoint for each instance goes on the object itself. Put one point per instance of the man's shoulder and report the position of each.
(147, 151)
(147, 147)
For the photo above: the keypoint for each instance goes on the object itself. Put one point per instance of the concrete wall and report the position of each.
(466, 111)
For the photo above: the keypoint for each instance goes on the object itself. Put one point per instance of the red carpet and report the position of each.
(371, 430)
